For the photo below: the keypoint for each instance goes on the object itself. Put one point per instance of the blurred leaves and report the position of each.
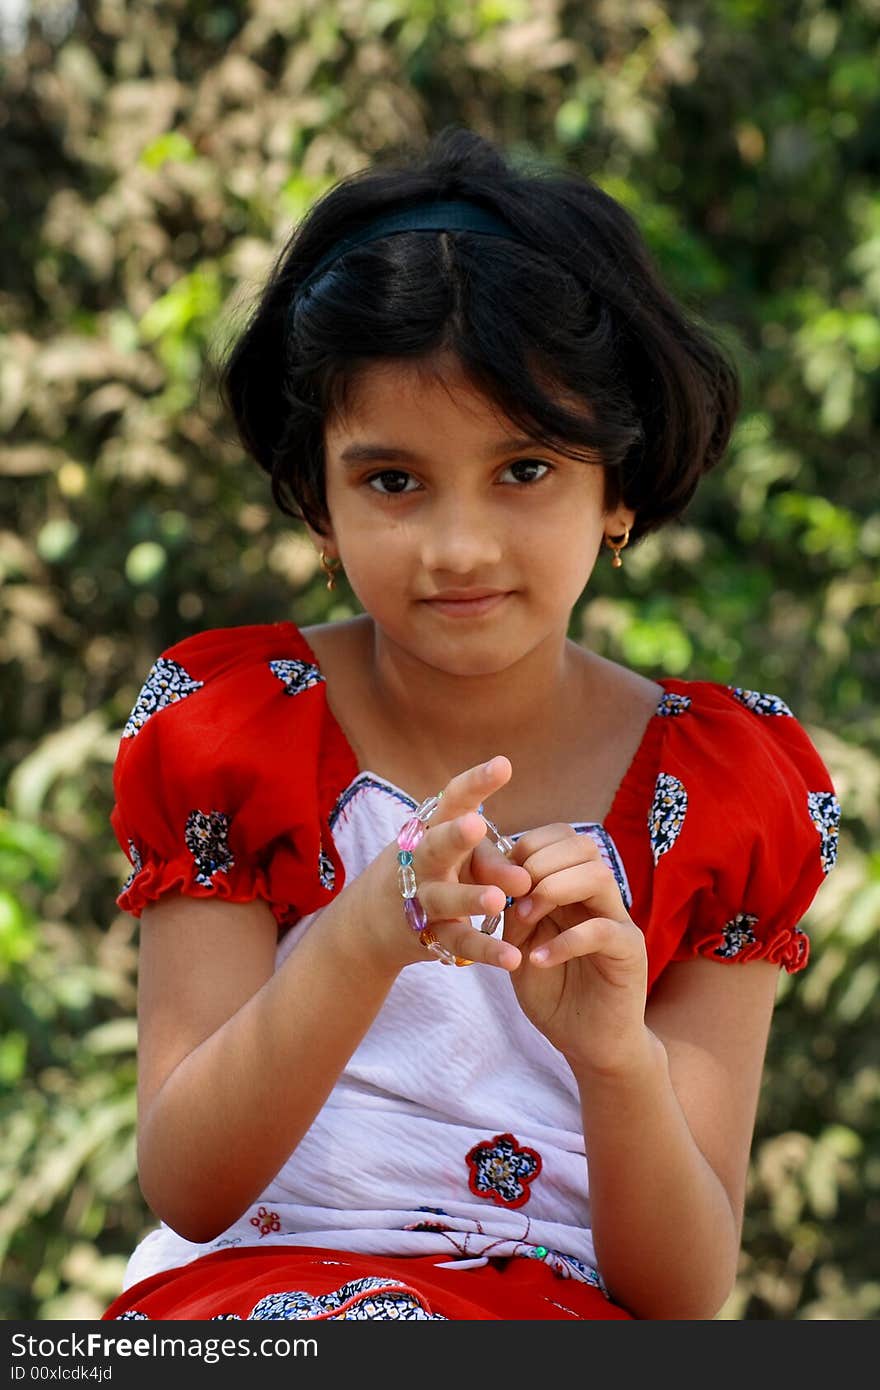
(153, 157)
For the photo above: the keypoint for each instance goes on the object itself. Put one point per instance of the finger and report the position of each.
(531, 841)
(599, 936)
(489, 865)
(592, 884)
(467, 790)
(562, 853)
(444, 847)
(444, 901)
(470, 945)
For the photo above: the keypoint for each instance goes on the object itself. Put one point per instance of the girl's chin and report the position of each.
(457, 655)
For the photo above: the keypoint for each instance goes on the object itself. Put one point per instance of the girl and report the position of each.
(459, 942)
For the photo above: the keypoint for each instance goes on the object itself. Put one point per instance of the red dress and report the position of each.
(229, 774)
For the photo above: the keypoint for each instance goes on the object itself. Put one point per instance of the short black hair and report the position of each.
(577, 307)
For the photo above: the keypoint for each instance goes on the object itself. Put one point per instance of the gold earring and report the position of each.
(329, 567)
(617, 562)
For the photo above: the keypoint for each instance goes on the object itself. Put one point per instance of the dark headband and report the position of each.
(456, 215)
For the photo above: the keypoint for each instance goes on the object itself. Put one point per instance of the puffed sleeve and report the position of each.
(743, 828)
(226, 774)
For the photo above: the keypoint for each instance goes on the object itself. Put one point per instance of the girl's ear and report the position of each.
(621, 519)
(326, 542)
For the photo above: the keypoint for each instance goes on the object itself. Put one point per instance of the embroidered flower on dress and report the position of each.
(673, 703)
(166, 683)
(266, 1220)
(667, 813)
(500, 1170)
(296, 676)
(759, 703)
(137, 862)
(205, 835)
(372, 1297)
(737, 933)
(824, 810)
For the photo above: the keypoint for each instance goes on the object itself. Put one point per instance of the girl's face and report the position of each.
(428, 496)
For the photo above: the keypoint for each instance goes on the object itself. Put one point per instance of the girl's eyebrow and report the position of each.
(359, 453)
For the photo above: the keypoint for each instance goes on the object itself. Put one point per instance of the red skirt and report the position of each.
(304, 1282)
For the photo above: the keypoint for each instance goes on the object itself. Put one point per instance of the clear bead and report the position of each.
(447, 957)
(406, 880)
(428, 807)
(490, 924)
(500, 841)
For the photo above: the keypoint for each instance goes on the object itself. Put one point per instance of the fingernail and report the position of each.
(489, 765)
(541, 954)
(523, 907)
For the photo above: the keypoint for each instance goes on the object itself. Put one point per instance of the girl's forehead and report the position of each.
(393, 391)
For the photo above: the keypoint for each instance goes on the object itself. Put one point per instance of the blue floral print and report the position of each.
(166, 683)
(205, 835)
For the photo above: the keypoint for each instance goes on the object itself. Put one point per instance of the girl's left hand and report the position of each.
(587, 992)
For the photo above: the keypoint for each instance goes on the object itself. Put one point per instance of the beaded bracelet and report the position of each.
(409, 836)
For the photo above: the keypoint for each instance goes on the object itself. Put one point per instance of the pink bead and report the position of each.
(411, 833)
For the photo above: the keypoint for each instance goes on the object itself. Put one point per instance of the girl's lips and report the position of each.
(464, 608)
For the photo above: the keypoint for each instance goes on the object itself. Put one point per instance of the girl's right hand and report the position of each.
(459, 874)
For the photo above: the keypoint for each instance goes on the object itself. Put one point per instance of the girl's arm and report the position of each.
(668, 1136)
(235, 1059)
(668, 1082)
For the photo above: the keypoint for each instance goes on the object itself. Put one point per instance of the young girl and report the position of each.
(459, 942)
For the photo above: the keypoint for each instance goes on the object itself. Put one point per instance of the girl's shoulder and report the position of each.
(220, 652)
(714, 749)
(733, 733)
(227, 770)
(236, 672)
(743, 820)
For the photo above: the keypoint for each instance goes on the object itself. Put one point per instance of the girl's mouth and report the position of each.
(467, 607)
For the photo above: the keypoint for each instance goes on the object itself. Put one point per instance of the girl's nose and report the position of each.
(460, 541)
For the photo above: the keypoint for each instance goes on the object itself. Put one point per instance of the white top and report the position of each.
(454, 1129)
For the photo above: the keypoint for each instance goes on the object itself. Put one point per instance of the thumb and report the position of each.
(490, 866)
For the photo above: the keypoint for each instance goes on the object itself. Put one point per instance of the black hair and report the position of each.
(576, 308)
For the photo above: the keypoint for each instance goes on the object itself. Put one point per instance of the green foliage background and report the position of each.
(154, 153)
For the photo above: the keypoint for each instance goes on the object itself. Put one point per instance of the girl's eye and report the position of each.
(528, 465)
(394, 480)
(395, 475)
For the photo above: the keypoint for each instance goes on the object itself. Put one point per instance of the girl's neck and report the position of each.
(451, 722)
